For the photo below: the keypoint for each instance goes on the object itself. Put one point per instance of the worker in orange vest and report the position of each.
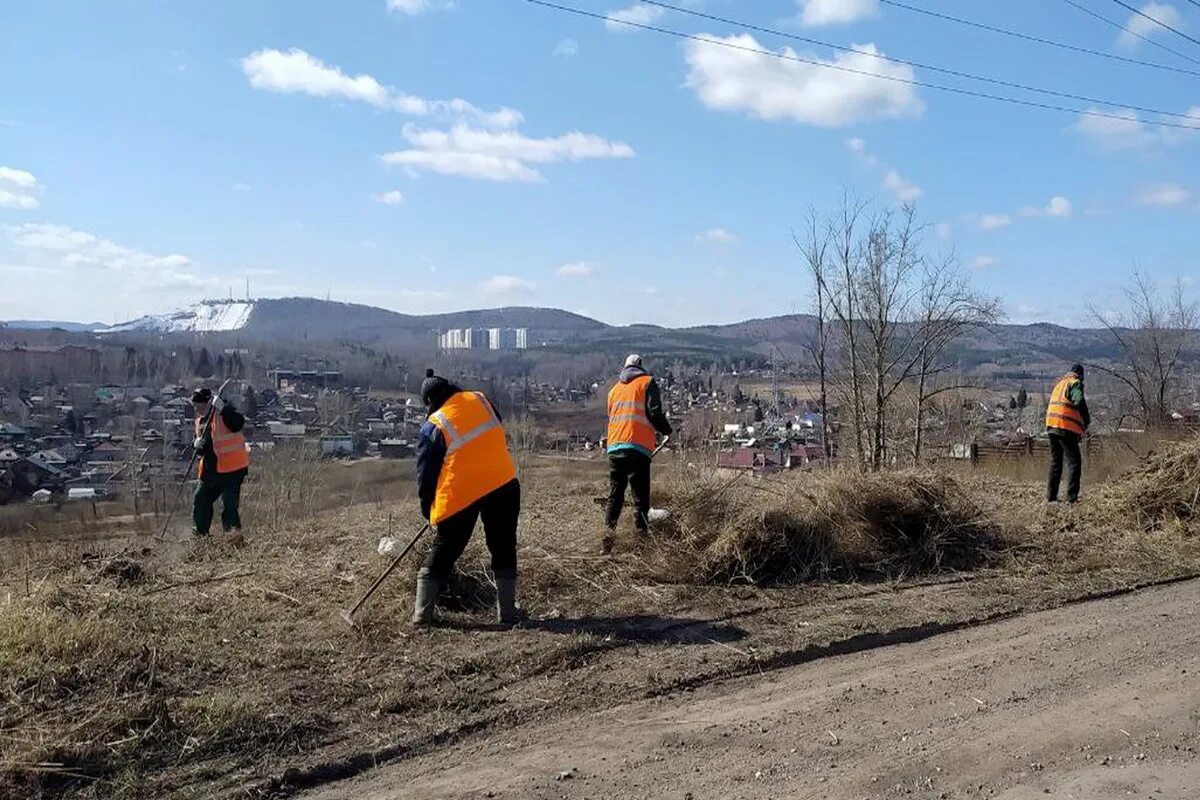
(465, 472)
(635, 416)
(1067, 418)
(224, 463)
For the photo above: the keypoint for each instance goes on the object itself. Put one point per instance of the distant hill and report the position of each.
(1013, 348)
(48, 325)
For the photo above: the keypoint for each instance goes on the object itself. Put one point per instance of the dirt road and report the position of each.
(1093, 701)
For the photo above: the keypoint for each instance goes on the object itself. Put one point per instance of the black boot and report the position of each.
(507, 610)
(427, 595)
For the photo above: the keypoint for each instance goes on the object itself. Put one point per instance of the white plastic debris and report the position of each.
(657, 515)
(388, 546)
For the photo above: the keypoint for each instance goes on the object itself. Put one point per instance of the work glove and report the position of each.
(219, 404)
(199, 442)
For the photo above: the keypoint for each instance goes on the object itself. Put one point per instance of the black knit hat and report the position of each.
(433, 388)
(202, 395)
(1077, 369)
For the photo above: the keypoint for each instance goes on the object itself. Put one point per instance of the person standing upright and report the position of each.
(224, 463)
(635, 416)
(1067, 419)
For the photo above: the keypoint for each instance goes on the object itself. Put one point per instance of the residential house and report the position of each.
(395, 448)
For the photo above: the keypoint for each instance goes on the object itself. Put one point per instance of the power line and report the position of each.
(953, 72)
(1121, 27)
(850, 70)
(1039, 40)
(1156, 21)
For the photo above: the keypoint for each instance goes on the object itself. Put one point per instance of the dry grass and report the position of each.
(1165, 489)
(820, 525)
(192, 670)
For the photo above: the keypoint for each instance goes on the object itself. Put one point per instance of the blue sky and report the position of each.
(426, 155)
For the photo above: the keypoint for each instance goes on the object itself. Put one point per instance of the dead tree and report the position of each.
(1152, 335)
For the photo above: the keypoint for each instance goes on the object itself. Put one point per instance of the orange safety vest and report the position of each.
(230, 447)
(627, 420)
(1062, 414)
(477, 459)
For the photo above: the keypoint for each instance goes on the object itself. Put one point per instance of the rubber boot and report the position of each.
(427, 595)
(507, 611)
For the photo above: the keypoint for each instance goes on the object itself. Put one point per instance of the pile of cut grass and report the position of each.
(820, 525)
(1164, 489)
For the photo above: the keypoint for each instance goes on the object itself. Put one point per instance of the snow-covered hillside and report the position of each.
(199, 318)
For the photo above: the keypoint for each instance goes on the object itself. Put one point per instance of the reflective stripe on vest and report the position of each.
(230, 447)
(1061, 413)
(477, 460)
(627, 420)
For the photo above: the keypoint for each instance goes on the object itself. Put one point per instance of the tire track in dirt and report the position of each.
(296, 780)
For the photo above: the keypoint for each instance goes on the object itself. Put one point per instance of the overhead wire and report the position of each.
(1121, 27)
(908, 63)
(1157, 21)
(850, 70)
(1040, 40)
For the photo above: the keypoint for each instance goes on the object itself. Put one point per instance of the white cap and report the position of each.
(634, 360)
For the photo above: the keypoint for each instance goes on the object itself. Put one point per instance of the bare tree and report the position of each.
(947, 308)
(894, 312)
(841, 287)
(1152, 335)
(814, 250)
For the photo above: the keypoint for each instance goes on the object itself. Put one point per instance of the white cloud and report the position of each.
(24, 183)
(18, 177)
(1129, 132)
(392, 198)
(1137, 25)
(742, 78)
(1058, 206)
(1164, 195)
(507, 286)
(992, 222)
(576, 269)
(816, 13)
(638, 14)
(297, 72)
(943, 230)
(497, 155)
(81, 249)
(905, 191)
(242, 187)
(717, 235)
(984, 262)
(566, 48)
(24, 202)
(415, 7)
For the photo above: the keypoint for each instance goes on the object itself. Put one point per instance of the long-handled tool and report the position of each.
(348, 616)
(205, 429)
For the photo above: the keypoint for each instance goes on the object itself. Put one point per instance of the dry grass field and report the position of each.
(137, 668)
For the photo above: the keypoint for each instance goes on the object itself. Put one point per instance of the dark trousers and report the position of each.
(228, 487)
(628, 468)
(500, 510)
(1064, 444)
